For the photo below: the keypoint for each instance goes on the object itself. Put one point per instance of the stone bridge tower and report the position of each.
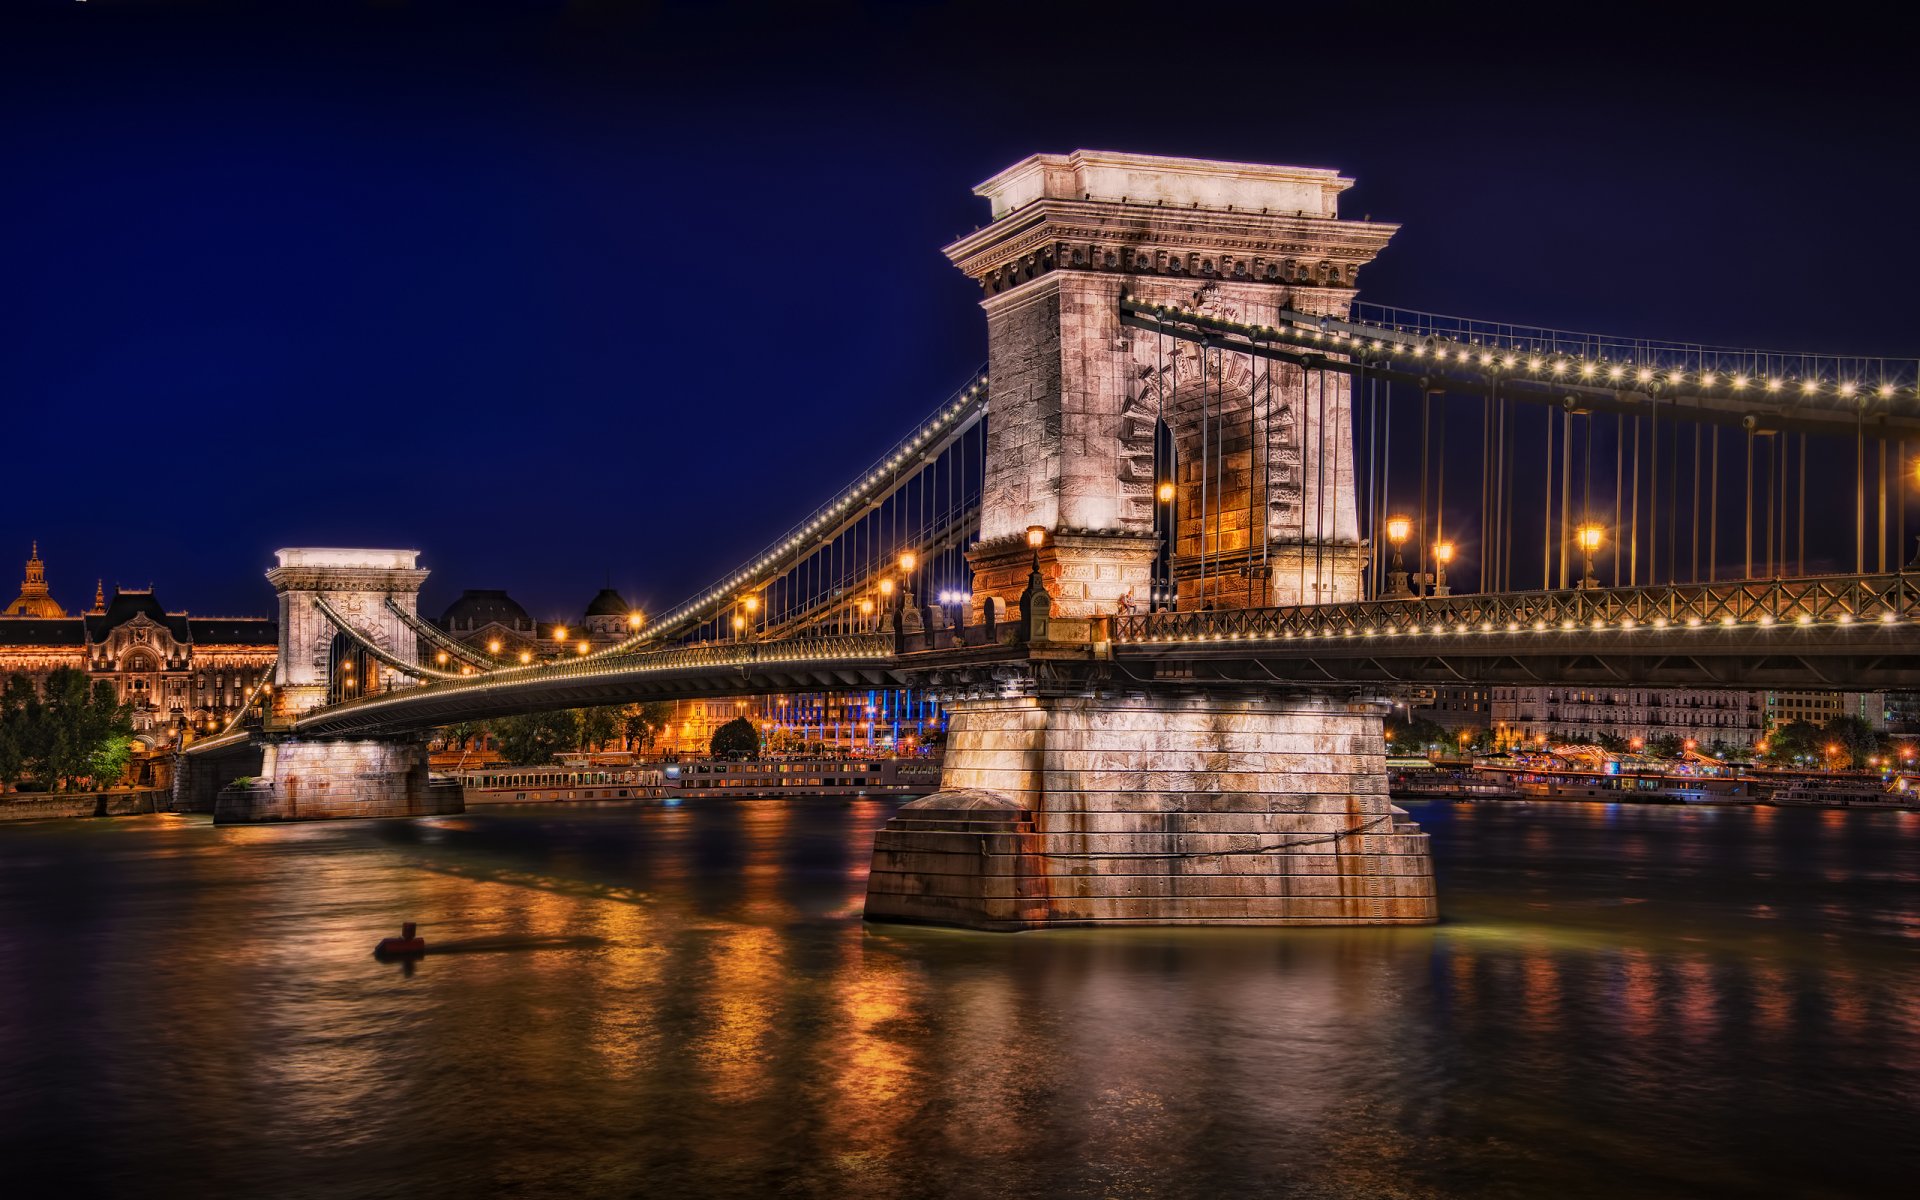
(356, 584)
(1074, 794)
(1077, 396)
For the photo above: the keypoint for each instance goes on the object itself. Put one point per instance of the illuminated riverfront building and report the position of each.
(180, 673)
(889, 720)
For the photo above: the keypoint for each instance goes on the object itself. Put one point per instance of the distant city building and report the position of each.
(1731, 716)
(492, 622)
(180, 673)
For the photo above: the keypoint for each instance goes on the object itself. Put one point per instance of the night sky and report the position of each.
(561, 296)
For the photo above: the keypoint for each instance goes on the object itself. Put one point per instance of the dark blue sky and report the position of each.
(559, 295)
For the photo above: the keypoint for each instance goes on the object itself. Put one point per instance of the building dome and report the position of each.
(34, 600)
(478, 607)
(608, 604)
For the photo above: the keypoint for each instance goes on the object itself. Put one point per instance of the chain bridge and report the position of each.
(1164, 556)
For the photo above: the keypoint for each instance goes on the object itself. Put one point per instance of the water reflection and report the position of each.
(666, 1001)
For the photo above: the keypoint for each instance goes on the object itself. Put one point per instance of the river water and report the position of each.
(651, 1000)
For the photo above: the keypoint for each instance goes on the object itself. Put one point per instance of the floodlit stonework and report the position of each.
(1071, 796)
(1077, 395)
(356, 583)
(334, 779)
(1164, 809)
(305, 779)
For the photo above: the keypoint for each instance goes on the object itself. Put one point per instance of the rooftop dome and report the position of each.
(608, 604)
(477, 607)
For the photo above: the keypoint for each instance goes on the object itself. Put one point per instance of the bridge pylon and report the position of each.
(1074, 792)
(1090, 417)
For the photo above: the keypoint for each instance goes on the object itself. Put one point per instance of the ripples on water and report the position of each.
(684, 1001)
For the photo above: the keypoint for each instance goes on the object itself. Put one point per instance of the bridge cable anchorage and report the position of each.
(435, 635)
(1273, 848)
(940, 431)
(384, 656)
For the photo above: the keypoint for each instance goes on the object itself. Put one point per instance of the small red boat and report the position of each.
(406, 943)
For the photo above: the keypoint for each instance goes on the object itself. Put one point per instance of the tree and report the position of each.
(460, 734)
(1415, 735)
(1856, 739)
(646, 722)
(596, 726)
(15, 698)
(1795, 739)
(737, 739)
(107, 765)
(1667, 745)
(534, 739)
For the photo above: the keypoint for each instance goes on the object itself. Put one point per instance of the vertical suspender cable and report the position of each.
(1619, 478)
(1426, 444)
(1899, 502)
(1693, 572)
(1771, 474)
(1565, 528)
(1880, 454)
(1320, 491)
(1653, 489)
(1205, 452)
(1633, 510)
(1673, 500)
(1859, 491)
(1440, 471)
(1386, 473)
(1713, 506)
(1546, 534)
(1749, 568)
(1266, 488)
(1427, 419)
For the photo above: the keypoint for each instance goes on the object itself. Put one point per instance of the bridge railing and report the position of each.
(1815, 600)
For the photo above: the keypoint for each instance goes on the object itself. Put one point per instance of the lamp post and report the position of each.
(1163, 555)
(1588, 536)
(1399, 529)
(1036, 606)
(909, 611)
(1442, 555)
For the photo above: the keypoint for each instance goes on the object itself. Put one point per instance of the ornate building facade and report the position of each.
(182, 674)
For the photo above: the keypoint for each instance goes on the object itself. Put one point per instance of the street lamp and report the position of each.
(526, 656)
(559, 633)
(1399, 529)
(635, 619)
(1165, 491)
(1589, 537)
(493, 647)
(1036, 538)
(1442, 555)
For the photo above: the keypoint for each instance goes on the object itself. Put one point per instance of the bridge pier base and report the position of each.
(322, 780)
(1162, 809)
